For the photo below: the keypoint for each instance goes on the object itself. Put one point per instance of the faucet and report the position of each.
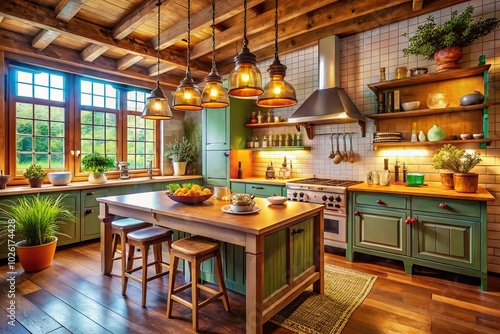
(150, 169)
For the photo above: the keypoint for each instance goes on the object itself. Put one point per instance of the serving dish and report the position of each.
(59, 178)
(227, 209)
(241, 208)
(189, 199)
(278, 200)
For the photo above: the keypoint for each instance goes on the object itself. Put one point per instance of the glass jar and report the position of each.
(401, 72)
(385, 178)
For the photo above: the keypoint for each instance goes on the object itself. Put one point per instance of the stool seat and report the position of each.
(129, 223)
(148, 234)
(121, 228)
(195, 246)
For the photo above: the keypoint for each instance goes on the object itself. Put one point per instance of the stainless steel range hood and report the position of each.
(330, 104)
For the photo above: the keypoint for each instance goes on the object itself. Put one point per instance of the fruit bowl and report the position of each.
(190, 199)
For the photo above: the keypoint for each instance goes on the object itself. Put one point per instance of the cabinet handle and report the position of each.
(380, 202)
(226, 154)
(298, 231)
(254, 187)
(91, 193)
(356, 213)
(88, 211)
(443, 205)
(410, 221)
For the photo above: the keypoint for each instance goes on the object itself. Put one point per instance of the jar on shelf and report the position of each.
(256, 142)
(264, 141)
(250, 142)
(299, 139)
(288, 139)
(281, 139)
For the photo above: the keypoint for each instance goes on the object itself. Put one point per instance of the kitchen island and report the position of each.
(283, 243)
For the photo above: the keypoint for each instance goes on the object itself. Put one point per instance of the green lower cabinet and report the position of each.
(263, 190)
(71, 229)
(91, 225)
(216, 170)
(238, 187)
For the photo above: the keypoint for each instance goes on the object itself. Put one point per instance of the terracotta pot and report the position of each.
(34, 258)
(35, 183)
(447, 59)
(465, 182)
(447, 180)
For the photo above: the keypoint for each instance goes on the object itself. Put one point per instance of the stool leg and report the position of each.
(157, 257)
(123, 245)
(220, 280)
(195, 276)
(174, 260)
(115, 243)
(144, 283)
(128, 266)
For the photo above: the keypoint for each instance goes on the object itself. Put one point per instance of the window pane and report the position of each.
(99, 146)
(86, 86)
(140, 148)
(99, 88)
(99, 132)
(150, 135)
(56, 95)
(24, 160)
(42, 79)
(140, 162)
(140, 135)
(86, 117)
(86, 147)
(86, 132)
(24, 144)
(110, 119)
(57, 145)
(99, 118)
(110, 103)
(86, 100)
(42, 144)
(110, 147)
(57, 161)
(131, 120)
(42, 92)
(42, 159)
(111, 133)
(24, 110)
(41, 112)
(24, 90)
(131, 134)
(41, 128)
(110, 91)
(57, 81)
(150, 148)
(24, 126)
(57, 129)
(56, 114)
(131, 148)
(26, 77)
(98, 101)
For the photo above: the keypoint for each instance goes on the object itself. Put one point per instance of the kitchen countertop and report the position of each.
(433, 189)
(263, 180)
(48, 187)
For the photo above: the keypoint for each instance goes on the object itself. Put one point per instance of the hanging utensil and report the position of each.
(345, 156)
(332, 154)
(351, 154)
(338, 156)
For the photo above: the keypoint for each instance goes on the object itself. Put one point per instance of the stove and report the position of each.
(331, 193)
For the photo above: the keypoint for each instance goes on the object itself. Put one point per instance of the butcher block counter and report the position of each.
(426, 225)
(283, 244)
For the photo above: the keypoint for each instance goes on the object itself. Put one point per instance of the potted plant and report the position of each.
(444, 42)
(35, 175)
(181, 152)
(460, 163)
(36, 220)
(97, 165)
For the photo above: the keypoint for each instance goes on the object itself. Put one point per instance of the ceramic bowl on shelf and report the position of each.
(415, 72)
(465, 136)
(477, 136)
(59, 178)
(410, 105)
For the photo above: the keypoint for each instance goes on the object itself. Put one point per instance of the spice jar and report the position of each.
(401, 72)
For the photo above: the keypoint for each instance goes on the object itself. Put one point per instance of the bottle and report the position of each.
(421, 136)
(240, 171)
(382, 74)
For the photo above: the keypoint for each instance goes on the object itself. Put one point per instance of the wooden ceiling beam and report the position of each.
(91, 52)
(201, 19)
(43, 18)
(44, 38)
(67, 9)
(287, 10)
(127, 61)
(417, 5)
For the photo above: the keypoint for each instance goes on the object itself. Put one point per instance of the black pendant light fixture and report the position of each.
(187, 96)
(156, 107)
(278, 93)
(245, 80)
(214, 94)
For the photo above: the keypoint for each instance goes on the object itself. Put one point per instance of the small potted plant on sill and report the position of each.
(36, 220)
(181, 152)
(460, 163)
(97, 165)
(445, 42)
(35, 175)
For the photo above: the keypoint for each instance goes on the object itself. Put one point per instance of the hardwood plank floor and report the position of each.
(72, 296)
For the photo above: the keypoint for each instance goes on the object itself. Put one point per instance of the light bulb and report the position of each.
(157, 105)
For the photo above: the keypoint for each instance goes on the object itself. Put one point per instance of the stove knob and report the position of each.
(294, 194)
(301, 194)
(330, 198)
(330, 204)
(338, 198)
(324, 198)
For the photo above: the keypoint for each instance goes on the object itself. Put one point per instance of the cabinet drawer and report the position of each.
(90, 196)
(262, 190)
(447, 206)
(382, 200)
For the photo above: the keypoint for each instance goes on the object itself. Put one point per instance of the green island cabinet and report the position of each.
(258, 189)
(442, 233)
(223, 130)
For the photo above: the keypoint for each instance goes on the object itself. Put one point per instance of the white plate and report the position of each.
(227, 209)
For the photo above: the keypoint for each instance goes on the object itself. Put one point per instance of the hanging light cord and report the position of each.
(276, 30)
(213, 34)
(189, 37)
(245, 40)
(158, 4)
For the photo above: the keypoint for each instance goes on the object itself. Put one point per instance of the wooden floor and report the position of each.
(72, 296)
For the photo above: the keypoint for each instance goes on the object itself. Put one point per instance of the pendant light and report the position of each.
(245, 80)
(277, 93)
(214, 95)
(187, 96)
(156, 107)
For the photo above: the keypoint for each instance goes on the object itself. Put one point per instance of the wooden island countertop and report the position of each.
(272, 231)
(431, 189)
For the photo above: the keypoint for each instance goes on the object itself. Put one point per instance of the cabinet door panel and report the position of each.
(71, 229)
(382, 230)
(217, 168)
(450, 241)
(450, 207)
(302, 246)
(382, 200)
(263, 190)
(217, 129)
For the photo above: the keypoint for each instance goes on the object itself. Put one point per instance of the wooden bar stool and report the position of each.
(195, 250)
(144, 238)
(121, 228)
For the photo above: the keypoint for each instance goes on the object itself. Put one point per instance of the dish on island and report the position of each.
(227, 209)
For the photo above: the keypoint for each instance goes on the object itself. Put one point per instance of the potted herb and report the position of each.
(444, 42)
(460, 163)
(181, 152)
(97, 165)
(35, 175)
(36, 220)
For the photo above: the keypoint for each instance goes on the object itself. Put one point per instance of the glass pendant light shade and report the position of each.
(278, 92)
(245, 80)
(187, 96)
(156, 107)
(214, 94)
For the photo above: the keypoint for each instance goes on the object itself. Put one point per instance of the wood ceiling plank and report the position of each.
(127, 61)
(136, 18)
(44, 38)
(287, 10)
(66, 9)
(417, 4)
(91, 52)
(43, 18)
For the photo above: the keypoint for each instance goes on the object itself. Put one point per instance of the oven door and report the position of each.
(335, 229)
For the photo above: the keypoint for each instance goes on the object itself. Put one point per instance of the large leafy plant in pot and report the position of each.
(181, 152)
(36, 220)
(460, 163)
(444, 42)
(97, 165)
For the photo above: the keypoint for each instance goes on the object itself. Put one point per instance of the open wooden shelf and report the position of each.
(268, 125)
(426, 112)
(487, 141)
(281, 148)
